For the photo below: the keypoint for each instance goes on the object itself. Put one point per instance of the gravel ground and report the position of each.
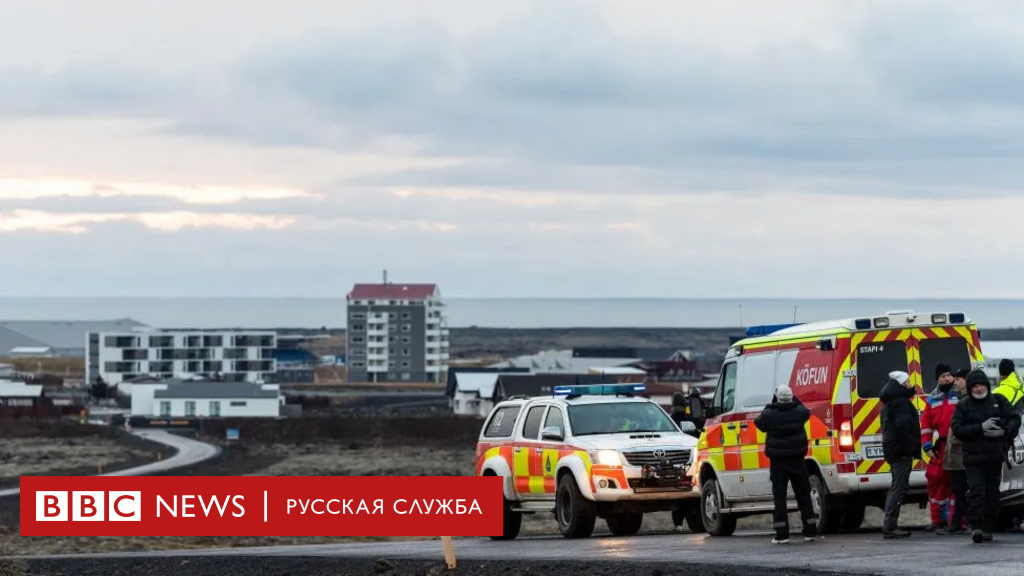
(278, 566)
(84, 456)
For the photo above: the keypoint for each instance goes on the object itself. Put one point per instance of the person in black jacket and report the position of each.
(986, 423)
(786, 444)
(901, 444)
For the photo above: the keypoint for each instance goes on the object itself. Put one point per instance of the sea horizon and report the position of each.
(310, 313)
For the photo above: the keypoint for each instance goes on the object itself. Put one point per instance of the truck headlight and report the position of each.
(606, 458)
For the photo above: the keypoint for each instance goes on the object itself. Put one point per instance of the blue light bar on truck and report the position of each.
(767, 329)
(599, 389)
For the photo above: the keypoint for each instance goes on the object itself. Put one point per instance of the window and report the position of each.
(555, 419)
(531, 427)
(190, 409)
(405, 352)
(502, 422)
(406, 339)
(357, 316)
(405, 364)
(214, 408)
(758, 380)
(405, 315)
(614, 417)
(165, 408)
(406, 375)
(358, 327)
(725, 394)
(874, 362)
(358, 340)
(406, 327)
(359, 364)
(934, 351)
(238, 403)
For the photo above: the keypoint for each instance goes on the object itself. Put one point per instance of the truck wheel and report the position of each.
(575, 514)
(716, 523)
(694, 519)
(511, 523)
(626, 524)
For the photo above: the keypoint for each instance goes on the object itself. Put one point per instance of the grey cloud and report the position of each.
(564, 102)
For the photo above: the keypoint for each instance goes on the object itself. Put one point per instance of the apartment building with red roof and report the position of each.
(396, 333)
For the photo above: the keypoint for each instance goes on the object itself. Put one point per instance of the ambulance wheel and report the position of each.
(625, 524)
(575, 514)
(716, 523)
(828, 519)
(511, 522)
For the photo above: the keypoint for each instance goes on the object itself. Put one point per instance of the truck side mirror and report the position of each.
(553, 433)
(688, 427)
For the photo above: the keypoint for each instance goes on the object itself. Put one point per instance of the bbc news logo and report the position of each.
(89, 506)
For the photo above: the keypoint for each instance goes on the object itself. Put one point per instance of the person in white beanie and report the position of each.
(901, 444)
(786, 444)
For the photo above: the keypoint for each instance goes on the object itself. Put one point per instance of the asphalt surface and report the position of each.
(861, 553)
(187, 453)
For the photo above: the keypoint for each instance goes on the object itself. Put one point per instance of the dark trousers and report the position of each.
(958, 484)
(897, 490)
(983, 494)
(782, 473)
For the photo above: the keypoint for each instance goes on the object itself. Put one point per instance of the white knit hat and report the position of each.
(899, 376)
(784, 393)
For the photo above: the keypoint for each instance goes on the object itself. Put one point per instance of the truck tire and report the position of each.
(575, 514)
(694, 519)
(625, 524)
(511, 523)
(715, 522)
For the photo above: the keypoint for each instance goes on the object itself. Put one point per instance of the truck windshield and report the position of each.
(616, 417)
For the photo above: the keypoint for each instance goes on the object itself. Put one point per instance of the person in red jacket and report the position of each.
(935, 421)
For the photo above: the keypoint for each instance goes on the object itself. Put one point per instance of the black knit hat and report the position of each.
(1006, 367)
(941, 369)
(978, 377)
(960, 373)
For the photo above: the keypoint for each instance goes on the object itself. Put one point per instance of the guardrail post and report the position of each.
(449, 552)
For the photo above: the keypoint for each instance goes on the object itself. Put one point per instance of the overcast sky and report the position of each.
(552, 148)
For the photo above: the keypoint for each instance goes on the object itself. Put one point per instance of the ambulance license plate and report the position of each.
(873, 452)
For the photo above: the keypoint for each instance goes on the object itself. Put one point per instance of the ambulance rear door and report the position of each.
(874, 356)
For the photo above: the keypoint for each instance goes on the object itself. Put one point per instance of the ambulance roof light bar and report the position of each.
(599, 390)
(910, 317)
(767, 329)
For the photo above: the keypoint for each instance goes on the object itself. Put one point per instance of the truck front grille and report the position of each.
(649, 457)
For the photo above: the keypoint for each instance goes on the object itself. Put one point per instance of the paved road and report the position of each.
(864, 553)
(188, 451)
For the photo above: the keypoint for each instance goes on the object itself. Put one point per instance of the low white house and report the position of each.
(19, 393)
(206, 399)
(474, 393)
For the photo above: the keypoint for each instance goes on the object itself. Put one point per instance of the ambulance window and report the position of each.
(531, 428)
(874, 362)
(502, 423)
(934, 351)
(758, 384)
(725, 395)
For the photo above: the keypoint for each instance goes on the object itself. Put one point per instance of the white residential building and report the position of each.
(474, 393)
(236, 356)
(205, 399)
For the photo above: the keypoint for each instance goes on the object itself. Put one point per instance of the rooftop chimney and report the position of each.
(385, 276)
